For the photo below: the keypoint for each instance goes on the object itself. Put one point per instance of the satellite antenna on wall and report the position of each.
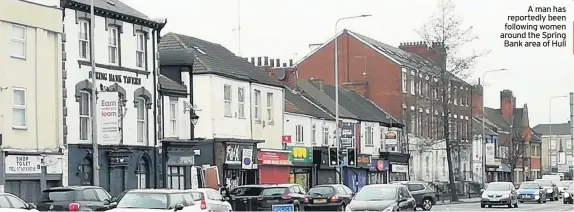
(280, 74)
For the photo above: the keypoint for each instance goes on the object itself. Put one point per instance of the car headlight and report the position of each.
(389, 209)
(566, 194)
(347, 209)
(506, 196)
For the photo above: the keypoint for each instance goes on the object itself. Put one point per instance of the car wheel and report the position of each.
(516, 204)
(521, 202)
(342, 207)
(427, 204)
(510, 204)
(482, 205)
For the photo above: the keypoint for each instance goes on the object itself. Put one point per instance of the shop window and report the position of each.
(85, 171)
(176, 177)
(142, 173)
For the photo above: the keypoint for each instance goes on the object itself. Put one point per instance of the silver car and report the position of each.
(499, 193)
(552, 191)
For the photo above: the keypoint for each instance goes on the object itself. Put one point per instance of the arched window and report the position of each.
(142, 120)
(142, 173)
(86, 172)
(85, 113)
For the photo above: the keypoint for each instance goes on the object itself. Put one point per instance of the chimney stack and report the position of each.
(507, 104)
(266, 61)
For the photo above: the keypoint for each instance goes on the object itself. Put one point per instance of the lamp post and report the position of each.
(338, 128)
(550, 118)
(483, 134)
(95, 151)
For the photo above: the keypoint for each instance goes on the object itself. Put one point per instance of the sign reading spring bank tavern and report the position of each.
(108, 118)
(116, 78)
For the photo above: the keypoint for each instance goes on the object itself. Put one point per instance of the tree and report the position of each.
(517, 152)
(446, 31)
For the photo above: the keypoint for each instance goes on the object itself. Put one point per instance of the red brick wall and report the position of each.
(535, 163)
(477, 101)
(506, 104)
(383, 77)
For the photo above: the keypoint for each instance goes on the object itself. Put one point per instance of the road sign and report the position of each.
(282, 208)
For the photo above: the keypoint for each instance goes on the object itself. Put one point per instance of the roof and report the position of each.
(477, 127)
(557, 129)
(295, 103)
(167, 85)
(322, 99)
(494, 116)
(115, 6)
(209, 58)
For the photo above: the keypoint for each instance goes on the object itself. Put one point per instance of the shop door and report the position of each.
(274, 174)
(28, 190)
(116, 181)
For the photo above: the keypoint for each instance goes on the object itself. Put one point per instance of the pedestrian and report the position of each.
(224, 191)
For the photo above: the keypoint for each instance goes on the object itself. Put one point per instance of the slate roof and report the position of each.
(169, 86)
(477, 127)
(118, 7)
(557, 129)
(322, 99)
(210, 58)
(496, 118)
(295, 103)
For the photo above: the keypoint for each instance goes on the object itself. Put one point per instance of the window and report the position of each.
(553, 160)
(553, 144)
(404, 81)
(19, 107)
(425, 89)
(382, 137)
(299, 133)
(415, 187)
(142, 120)
(270, 107)
(241, 102)
(102, 194)
(140, 49)
(455, 95)
(18, 41)
(4, 202)
(325, 135)
(16, 202)
(427, 163)
(257, 105)
(113, 41)
(534, 151)
(89, 195)
(314, 134)
(176, 177)
(369, 136)
(412, 83)
(568, 145)
(85, 115)
(84, 39)
(142, 173)
(173, 117)
(227, 100)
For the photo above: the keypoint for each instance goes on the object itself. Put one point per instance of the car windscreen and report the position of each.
(197, 195)
(498, 187)
(58, 195)
(376, 193)
(544, 182)
(321, 190)
(274, 191)
(246, 191)
(564, 183)
(144, 201)
(529, 186)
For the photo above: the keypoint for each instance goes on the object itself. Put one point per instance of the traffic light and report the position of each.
(351, 157)
(341, 156)
(333, 156)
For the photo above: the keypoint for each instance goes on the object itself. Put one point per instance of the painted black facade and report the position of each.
(177, 155)
(324, 174)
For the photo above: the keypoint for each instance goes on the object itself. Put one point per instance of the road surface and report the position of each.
(548, 206)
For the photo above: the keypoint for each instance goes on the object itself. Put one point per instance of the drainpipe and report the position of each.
(155, 74)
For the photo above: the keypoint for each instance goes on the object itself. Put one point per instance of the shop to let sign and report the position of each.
(23, 164)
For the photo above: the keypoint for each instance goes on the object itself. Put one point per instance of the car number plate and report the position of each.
(320, 201)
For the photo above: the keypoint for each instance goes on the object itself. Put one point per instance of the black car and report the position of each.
(567, 195)
(328, 197)
(75, 198)
(281, 194)
(384, 198)
(244, 198)
(423, 194)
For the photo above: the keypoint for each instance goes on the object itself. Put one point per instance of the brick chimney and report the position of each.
(477, 101)
(290, 79)
(434, 52)
(507, 104)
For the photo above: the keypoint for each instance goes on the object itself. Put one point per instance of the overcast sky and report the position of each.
(284, 29)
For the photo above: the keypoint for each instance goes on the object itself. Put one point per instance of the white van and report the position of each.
(554, 178)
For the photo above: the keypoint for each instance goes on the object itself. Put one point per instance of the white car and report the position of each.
(11, 203)
(210, 200)
(144, 200)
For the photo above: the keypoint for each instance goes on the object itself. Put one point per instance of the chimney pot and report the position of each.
(265, 61)
(259, 61)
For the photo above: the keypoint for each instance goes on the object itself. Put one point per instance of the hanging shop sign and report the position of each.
(247, 159)
(117, 78)
(23, 164)
(399, 168)
(391, 137)
(273, 158)
(108, 118)
(300, 155)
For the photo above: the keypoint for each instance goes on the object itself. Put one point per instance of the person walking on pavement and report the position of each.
(224, 191)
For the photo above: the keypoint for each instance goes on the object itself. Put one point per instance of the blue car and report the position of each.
(531, 192)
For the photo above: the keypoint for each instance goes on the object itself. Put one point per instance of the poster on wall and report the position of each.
(232, 154)
(108, 118)
(347, 135)
(490, 153)
(247, 161)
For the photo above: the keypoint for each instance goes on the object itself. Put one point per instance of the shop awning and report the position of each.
(503, 168)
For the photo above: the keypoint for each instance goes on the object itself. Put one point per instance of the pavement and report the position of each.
(460, 201)
(475, 206)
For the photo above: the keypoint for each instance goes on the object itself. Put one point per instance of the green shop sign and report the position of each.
(300, 155)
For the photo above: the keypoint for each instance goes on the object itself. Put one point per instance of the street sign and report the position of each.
(282, 208)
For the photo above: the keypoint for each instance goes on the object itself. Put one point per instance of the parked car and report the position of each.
(382, 197)
(499, 193)
(424, 195)
(144, 200)
(328, 197)
(281, 194)
(244, 198)
(567, 195)
(551, 188)
(75, 198)
(210, 200)
(531, 191)
(563, 186)
(10, 202)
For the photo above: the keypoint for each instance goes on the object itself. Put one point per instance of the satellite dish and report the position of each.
(280, 74)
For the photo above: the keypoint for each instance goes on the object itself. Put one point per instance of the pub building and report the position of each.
(302, 160)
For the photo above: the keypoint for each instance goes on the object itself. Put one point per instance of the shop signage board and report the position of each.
(23, 164)
(247, 159)
(108, 118)
(363, 161)
(391, 137)
(399, 168)
(347, 135)
(378, 165)
(273, 158)
(300, 155)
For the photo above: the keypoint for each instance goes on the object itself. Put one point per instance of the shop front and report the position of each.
(323, 173)
(492, 174)
(355, 177)
(302, 160)
(398, 165)
(183, 162)
(274, 166)
(378, 171)
(239, 164)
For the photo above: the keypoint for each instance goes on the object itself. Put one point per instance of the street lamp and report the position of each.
(483, 134)
(194, 117)
(338, 130)
(550, 116)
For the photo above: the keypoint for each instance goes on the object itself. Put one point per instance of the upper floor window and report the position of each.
(299, 133)
(18, 41)
(173, 117)
(241, 102)
(227, 100)
(553, 144)
(140, 50)
(257, 105)
(369, 136)
(19, 107)
(85, 115)
(404, 81)
(314, 134)
(270, 107)
(142, 120)
(113, 45)
(325, 135)
(413, 83)
(84, 39)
